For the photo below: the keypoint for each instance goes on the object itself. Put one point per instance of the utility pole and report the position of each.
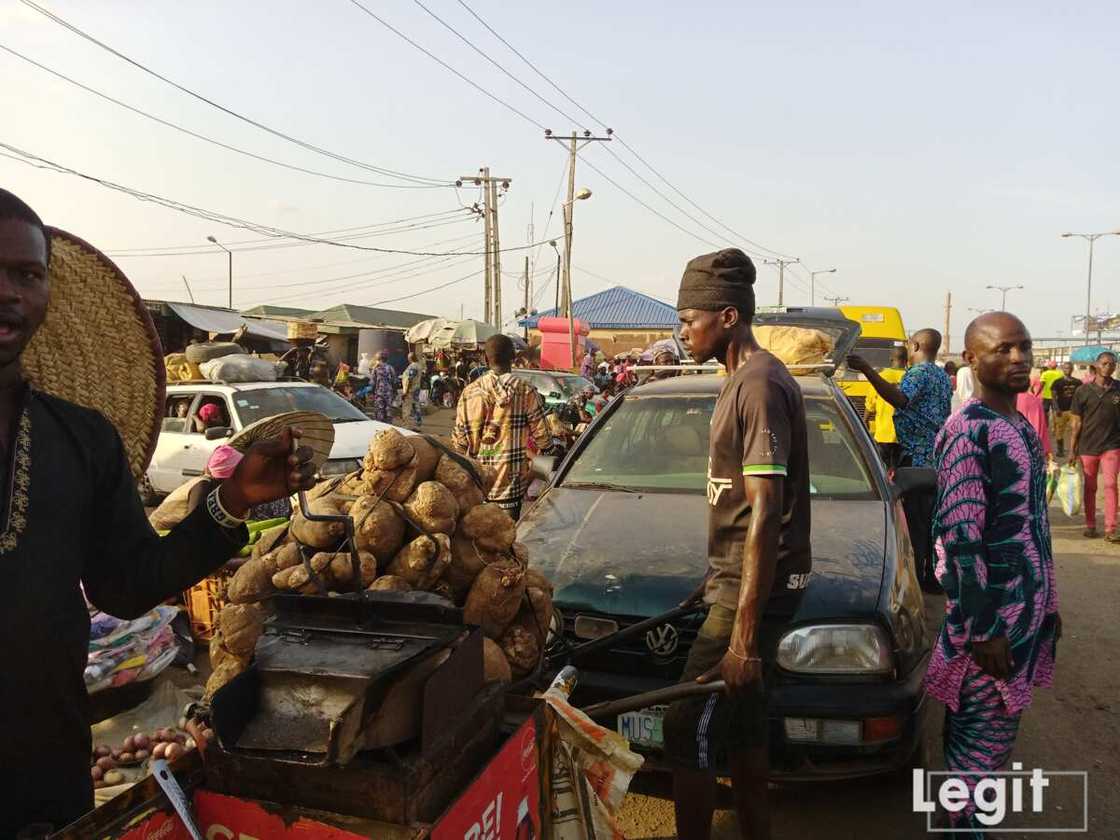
(188, 285)
(573, 143)
(948, 313)
(492, 290)
(528, 296)
(837, 300)
(781, 264)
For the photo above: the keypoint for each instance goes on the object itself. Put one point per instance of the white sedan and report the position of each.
(185, 444)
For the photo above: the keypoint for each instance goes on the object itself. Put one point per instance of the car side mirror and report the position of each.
(218, 432)
(544, 467)
(910, 479)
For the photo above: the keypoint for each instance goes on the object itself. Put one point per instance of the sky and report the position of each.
(919, 149)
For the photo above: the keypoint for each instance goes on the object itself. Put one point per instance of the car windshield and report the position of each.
(570, 385)
(877, 351)
(258, 403)
(661, 444)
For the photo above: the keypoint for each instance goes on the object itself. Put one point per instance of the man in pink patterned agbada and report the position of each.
(994, 560)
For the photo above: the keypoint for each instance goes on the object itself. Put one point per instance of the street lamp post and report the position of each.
(1004, 290)
(228, 251)
(582, 195)
(1090, 238)
(813, 283)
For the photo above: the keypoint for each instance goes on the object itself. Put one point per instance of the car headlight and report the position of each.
(340, 466)
(836, 649)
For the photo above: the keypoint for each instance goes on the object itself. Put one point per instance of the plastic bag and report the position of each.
(240, 368)
(591, 768)
(1070, 490)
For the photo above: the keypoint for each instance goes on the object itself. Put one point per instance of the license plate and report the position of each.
(643, 728)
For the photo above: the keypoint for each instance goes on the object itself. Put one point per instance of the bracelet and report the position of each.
(218, 512)
(741, 656)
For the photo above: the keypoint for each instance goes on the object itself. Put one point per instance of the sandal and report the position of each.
(1090, 533)
(1112, 537)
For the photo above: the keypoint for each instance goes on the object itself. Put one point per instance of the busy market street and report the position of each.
(456, 420)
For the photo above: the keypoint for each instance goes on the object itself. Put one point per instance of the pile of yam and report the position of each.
(421, 523)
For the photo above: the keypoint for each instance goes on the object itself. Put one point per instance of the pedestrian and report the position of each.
(1036, 383)
(994, 560)
(951, 371)
(966, 385)
(759, 558)
(1062, 392)
(587, 366)
(1096, 442)
(410, 383)
(74, 521)
(497, 416)
(383, 387)
(922, 402)
(921, 399)
(1049, 376)
(880, 413)
(1031, 407)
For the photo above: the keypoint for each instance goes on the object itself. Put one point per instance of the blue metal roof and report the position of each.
(618, 308)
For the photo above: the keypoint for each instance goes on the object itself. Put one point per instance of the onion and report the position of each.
(102, 751)
(159, 750)
(96, 773)
(114, 777)
(142, 754)
(129, 744)
(106, 763)
(173, 751)
(142, 742)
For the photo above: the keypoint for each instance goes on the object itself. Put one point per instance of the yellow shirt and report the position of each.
(882, 428)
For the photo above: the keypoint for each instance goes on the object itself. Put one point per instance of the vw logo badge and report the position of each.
(663, 640)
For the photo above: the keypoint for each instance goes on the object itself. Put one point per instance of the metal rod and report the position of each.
(347, 523)
(656, 697)
(632, 630)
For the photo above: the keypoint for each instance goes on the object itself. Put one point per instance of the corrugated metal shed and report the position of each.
(281, 312)
(618, 308)
(347, 314)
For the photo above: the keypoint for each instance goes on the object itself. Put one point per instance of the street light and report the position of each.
(1004, 290)
(813, 283)
(1090, 238)
(228, 251)
(582, 195)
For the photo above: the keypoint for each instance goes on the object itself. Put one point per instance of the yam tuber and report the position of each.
(433, 508)
(495, 665)
(495, 598)
(390, 583)
(490, 527)
(423, 561)
(389, 450)
(322, 535)
(342, 569)
(378, 528)
(229, 669)
(270, 540)
(240, 625)
(427, 458)
(251, 583)
(522, 644)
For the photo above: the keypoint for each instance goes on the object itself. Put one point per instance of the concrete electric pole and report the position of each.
(492, 294)
(781, 264)
(573, 143)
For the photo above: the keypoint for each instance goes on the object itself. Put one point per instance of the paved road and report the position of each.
(1074, 726)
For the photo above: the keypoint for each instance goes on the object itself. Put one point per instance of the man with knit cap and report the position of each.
(758, 550)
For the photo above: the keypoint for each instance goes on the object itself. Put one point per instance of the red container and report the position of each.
(556, 348)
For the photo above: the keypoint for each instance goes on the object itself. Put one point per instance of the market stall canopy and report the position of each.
(468, 333)
(1088, 355)
(425, 330)
(222, 321)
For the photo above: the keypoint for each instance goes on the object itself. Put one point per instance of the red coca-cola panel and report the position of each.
(503, 803)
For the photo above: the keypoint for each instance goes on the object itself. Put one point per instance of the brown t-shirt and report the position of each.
(758, 429)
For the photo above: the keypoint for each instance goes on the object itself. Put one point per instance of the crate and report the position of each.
(205, 600)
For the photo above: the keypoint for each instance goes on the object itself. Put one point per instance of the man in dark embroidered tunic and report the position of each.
(70, 516)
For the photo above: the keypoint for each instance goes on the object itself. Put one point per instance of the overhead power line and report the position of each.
(214, 216)
(739, 237)
(427, 291)
(211, 140)
(420, 179)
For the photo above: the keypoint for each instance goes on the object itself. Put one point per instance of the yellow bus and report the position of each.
(881, 330)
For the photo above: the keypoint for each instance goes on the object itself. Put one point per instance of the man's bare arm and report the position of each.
(760, 556)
